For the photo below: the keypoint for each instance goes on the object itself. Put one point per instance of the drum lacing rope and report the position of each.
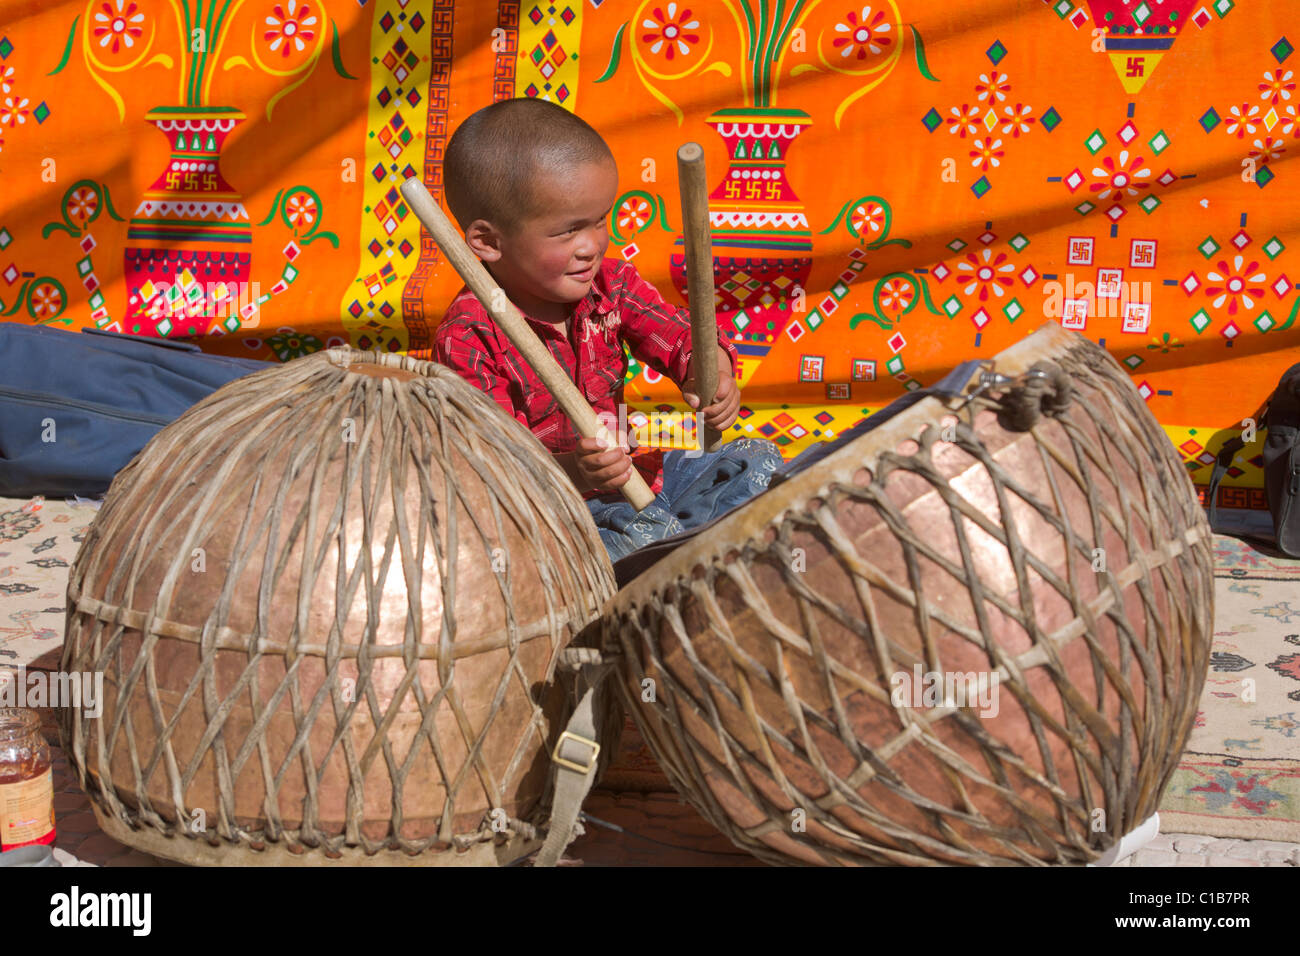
(1043, 390)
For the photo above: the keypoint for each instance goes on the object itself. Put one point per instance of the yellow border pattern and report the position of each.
(549, 70)
(396, 129)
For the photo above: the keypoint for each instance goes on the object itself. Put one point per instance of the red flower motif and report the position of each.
(12, 114)
(635, 212)
(118, 25)
(1267, 150)
(987, 154)
(993, 87)
(1123, 178)
(1244, 118)
(82, 204)
(301, 210)
(1018, 119)
(670, 32)
(1276, 87)
(865, 34)
(1238, 285)
(46, 301)
(965, 119)
(897, 295)
(986, 274)
(290, 29)
(867, 218)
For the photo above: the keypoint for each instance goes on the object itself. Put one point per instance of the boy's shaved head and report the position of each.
(496, 155)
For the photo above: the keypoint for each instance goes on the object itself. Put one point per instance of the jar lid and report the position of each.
(18, 722)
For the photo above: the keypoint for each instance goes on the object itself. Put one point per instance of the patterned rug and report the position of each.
(38, 542)
(1240, 776)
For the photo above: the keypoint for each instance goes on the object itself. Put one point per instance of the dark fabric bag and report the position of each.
(1281, 454)
(107, 395)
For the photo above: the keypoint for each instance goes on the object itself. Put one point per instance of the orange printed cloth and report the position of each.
(898, 185)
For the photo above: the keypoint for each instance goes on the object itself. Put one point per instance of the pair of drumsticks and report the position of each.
(699, 277)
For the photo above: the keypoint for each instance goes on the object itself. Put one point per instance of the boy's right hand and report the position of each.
(603, 468)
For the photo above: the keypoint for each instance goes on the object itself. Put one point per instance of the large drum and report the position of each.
(986, 651)
(328, 603)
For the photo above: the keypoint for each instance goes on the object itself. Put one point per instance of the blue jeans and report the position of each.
(695, 491)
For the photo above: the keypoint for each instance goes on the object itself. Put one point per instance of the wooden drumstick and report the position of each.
(513, 324)
(699, 284)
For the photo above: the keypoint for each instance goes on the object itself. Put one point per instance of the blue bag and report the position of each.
(105, 394)
(950, 386)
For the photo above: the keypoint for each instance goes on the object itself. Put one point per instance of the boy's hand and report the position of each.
(722, 413)
(603, 468)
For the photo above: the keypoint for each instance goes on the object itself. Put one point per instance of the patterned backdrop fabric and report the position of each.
(898, 185)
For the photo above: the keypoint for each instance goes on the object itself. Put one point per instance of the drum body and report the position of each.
(328, 604)
(987, 652)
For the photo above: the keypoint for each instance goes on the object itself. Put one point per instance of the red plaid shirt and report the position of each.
(621, 307)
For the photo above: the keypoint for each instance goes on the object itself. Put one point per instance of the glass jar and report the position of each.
(26, 781)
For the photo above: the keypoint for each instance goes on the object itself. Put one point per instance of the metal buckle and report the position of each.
(571, 764)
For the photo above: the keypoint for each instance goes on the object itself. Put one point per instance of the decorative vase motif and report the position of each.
(762, 246)
(187, 258)
(1137, 38)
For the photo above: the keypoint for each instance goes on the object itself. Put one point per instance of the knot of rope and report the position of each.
(1043, 390)
(573, 658)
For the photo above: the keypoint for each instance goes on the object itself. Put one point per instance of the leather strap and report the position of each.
(1221, 466)
(575, 758)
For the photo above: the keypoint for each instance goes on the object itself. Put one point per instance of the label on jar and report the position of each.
(27, 812)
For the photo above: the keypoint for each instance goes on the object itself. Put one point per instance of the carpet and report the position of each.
(1240, 774)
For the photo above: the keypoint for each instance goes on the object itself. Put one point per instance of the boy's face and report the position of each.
(551, 258)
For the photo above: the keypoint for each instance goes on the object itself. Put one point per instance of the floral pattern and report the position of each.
(670, 32)
(864, 34)
(986, 274)
(1018, 119)
(301, 210)
(289, 29)
(867, 218)
(1120, 178)
(118, 25)
(1238, 287)
(897, 295)
(1291, 122)
(1267, 150)
(964, 120)
(987, 153)
(1276, 87)
(47, 302)
(82, 205)
(1243, 122)
(14, 113)
(992, 87)
(634, 213)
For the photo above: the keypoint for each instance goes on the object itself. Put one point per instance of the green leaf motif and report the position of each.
(67, 49)
(337, 54)
(615, 56)
(921, 63)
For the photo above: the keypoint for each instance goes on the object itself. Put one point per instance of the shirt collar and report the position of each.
(597, 300)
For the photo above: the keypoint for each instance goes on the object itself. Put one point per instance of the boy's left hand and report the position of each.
(725, 405)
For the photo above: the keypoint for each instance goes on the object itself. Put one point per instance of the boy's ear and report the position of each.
(484, 239)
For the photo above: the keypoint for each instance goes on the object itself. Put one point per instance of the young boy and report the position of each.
(532, 186)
